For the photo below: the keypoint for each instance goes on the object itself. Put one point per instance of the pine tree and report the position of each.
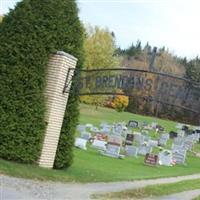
(29, 34)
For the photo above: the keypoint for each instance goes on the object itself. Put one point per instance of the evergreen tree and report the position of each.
(29, 34)
(193, 69)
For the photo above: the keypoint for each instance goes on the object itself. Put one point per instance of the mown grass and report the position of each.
(153, 190)
(90, 166)
(197, 198)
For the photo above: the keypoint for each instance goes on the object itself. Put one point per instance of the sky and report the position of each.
(174, 24)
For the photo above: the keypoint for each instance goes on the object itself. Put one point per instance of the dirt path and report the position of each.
(15, 188)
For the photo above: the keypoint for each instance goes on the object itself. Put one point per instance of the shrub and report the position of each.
(120, 102)
(28, 35)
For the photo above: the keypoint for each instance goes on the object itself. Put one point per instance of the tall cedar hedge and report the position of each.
(29, 34)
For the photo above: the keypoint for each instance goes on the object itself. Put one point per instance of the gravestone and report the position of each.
(179, 156)
(154, 125)
(101, 136)
(99, 144)
(181, 133)
(81, 128)
(133, 124)
(178, 141)
(176, 147)
(85, 135)
(117, 130)
(173, 134)
(146, 138)
(139, 138)
(143, 150)
(131, 151)
(146, 126)
(94, 130)
(197, 131)
(129, 139)
(113, 147)
(106, 129)
(179, 126)
(151, 159)
(163, 140)
(196, 137)
(81, 143)
(115, 140)
(159, 128)
(189, 132)
(112, 151)
(188, 145)
(185, 127)
(152, 143)
(165, 158)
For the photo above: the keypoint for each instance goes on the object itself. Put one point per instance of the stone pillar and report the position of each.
(56, 101)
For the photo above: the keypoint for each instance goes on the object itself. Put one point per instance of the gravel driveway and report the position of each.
(17, 188)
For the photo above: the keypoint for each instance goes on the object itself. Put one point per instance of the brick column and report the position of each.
(56, 102)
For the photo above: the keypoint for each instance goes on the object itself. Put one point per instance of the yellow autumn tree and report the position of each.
(120, 102)
(99, 47)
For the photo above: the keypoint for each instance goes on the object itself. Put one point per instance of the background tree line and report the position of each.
(101, 51)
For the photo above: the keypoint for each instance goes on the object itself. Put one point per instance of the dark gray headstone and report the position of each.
(133, 124)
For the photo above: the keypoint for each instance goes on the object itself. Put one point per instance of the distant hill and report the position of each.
(137, 57)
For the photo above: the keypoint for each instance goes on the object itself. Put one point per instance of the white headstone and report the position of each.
(139, 138)
(81, 143)
(152, 143)
(99, 144)
(131, 150)
(163, 139)
(179, 156)
(143, 150)
(165, 158)
(85, 135)
(116, 140)
(112, 151)
(178, 141)
(188, 145)
(94, 130)
(176, 147)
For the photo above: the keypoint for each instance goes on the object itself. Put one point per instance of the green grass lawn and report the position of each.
(153, 190)
(90, 166)
(90, 115)
(197, 198)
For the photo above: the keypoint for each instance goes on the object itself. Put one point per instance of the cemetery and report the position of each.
(133, 139)
(76, 107)
(46, 81)
(95, 161)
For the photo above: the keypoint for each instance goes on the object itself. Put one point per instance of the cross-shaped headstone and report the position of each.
(153, 55)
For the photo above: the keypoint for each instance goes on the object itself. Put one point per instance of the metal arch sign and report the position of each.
(154, 89)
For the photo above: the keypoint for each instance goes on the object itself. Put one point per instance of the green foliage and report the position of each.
(97, 100)
(28, 35)
(99, 46)
(154, 190)
(193, 69)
